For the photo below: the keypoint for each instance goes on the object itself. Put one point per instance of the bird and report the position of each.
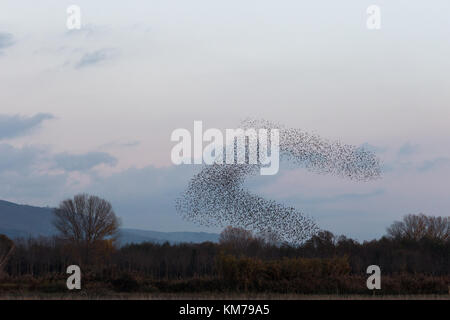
(216, 195)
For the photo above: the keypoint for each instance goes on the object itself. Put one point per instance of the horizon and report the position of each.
(193, 232)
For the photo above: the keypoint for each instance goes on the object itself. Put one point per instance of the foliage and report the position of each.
(241, 262)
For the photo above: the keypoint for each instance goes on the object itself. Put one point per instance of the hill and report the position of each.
(23, 221)
(18, 220)
(137, 236)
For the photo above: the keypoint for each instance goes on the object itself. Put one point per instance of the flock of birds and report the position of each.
(216, 196)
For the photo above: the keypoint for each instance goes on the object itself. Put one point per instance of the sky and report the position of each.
(92, 110)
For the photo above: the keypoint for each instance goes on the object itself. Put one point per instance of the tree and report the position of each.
(6, 248)
(416, 227)
(323, 244)
(269, 237)
(87, 222)
(235, 235)
(237, 239)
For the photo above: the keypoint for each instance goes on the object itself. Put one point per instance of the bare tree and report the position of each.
(269, 237)
(6, 248)
(416, 227)
(86, 221)
(231, 235)
(235, 238)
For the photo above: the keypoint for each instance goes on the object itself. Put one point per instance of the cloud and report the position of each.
(434, 164)
(142, 197)
(6, 40)
(83, 162)
(133, 143)
(372, 148)
(33, 159)
(15, 125)
(88, 30)
(14, 159)
(408, 149)
(94, 58)
(35, 175)
(121, 144)
(33, 187)
(339, 197)
(145, 197)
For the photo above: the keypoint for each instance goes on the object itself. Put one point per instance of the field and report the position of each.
(214, 296)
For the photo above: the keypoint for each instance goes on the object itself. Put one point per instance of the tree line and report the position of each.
(414, 257)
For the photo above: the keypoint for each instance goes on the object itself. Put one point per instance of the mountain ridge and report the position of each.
(23, 221)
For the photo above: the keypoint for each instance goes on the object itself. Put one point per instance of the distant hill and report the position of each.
(137, 236)
(27, 221)
(23, 221)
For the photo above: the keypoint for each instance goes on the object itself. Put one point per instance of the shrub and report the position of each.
(125, 283)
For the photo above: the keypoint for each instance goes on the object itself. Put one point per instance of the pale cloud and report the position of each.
(14, 159)
(16, 125)
(95, 57)
(408, 149)
(83, 162)
(6, 40)
(434, 164)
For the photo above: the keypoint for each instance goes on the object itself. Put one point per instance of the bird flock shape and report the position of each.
(216, 196)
